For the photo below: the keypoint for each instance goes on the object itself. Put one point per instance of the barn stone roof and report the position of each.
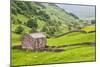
(37, 35)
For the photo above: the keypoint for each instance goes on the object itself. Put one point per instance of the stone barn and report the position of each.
(34, 41)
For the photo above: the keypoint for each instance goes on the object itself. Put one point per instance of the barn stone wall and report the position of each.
(30, 43)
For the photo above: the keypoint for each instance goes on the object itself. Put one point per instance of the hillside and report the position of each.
(69, 39)
(46, 17)
(72, 38)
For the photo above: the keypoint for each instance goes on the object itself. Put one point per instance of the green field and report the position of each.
(76, 53)
(71, 54)
(72, 39)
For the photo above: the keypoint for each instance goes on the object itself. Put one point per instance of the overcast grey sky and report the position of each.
(80, 10)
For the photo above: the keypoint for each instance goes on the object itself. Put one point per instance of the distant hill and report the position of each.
(90, 20)
(42, 17)
(82, 11)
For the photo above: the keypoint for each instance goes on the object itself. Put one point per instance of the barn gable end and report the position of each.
(34, 41)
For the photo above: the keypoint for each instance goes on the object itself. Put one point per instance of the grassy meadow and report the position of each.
(76, 53)
(27, 17)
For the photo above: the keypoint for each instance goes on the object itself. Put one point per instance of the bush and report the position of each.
(18, 21)
(19, 29)
(33, 30)
(32, 23)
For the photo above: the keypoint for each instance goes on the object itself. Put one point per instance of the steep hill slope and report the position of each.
(47, 17)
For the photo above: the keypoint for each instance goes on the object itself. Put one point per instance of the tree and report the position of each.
(49, 30)
(19, 29)
(33, 30)
(18, 21)
(32, 23)
(44, 29)
(43, 15)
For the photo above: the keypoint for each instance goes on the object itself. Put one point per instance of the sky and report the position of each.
(80, 10)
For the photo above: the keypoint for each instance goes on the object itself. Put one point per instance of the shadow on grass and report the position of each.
(55, 48)
(46, 49)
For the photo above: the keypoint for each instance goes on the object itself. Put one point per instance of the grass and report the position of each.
(71, 54)
(75, 37)
(76, 53)
(16, 39)
(89, 28)
(26, 29)
(22, 18)
(72, 38)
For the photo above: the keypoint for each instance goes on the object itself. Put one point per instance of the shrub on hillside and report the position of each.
(32, 23)
(19, 30)
(33, 30)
